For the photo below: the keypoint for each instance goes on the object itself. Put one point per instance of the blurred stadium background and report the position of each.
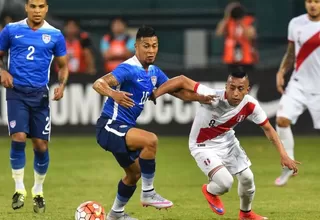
(187, 46)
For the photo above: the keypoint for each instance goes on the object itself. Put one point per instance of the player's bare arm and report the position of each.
(272, 135)
(187, 95)
(62, 76)
(286, 65)
(174, 85)
(104, 85)
(182, 87)
(6, 78)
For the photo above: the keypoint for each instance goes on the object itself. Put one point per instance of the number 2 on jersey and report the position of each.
(30, 54)
(144, 97)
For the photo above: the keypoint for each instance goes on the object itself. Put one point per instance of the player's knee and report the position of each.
(40, 145)
(246, 177)
(152, 142)
(226, 184)
(283, 122)
(222, 181)
(19, 137)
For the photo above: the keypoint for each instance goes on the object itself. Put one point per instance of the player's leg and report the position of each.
(246, 191)
(220, 180)
(238, 164)
(18, 125)
(147, 142)
(40, 128)
(126, 188)
(292, 105)
(314, 109)
(111, 137)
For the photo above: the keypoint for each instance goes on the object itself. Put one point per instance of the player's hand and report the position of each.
(280, 82)
(153, 98)
(123, 99)
(6, 79)
(291, 164)
(206, 99)
(58, 93)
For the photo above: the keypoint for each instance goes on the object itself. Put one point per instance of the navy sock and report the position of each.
(148, 168)
(125, 192)
(41, 162)
(17, 155)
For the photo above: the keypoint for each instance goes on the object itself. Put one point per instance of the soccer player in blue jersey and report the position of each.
(128, 87)
(31, 45)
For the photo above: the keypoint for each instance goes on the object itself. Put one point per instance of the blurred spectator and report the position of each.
(79, 48)
(117, 46)
(7, 20)
(240, 37)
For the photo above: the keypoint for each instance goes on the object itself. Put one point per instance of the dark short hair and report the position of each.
(145, 31)
(238, 12)
(239, 74)
(27, 1)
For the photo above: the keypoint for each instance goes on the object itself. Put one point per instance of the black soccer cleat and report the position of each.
(18, 200)
(39, 204)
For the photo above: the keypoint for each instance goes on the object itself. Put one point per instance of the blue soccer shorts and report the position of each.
(30, 115)
(111, 136)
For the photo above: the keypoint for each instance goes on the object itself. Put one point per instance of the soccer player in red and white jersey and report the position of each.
(302, 91)
(213, 144)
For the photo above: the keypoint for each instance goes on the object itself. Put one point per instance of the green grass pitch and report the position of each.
(80, 171)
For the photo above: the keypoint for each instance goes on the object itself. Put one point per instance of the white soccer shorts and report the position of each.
(234, 159)
(295, 101)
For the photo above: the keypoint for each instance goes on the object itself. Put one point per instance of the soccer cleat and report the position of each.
(214, 201)
(285, 176)
(39, 204)
(250, 216)
(155, 200)
(112, 215)
(18, 199)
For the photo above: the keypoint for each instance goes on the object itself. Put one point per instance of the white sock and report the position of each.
(118, 206)
(220, 182)
(286, 137)
(147, 184)
(246, 189)
(18, 176)
(38, 183)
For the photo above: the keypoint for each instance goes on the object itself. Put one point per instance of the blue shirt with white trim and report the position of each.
(134, 79)
(30, 52)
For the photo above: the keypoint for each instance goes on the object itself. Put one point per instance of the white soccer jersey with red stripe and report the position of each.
(306, 37)
(213, 124)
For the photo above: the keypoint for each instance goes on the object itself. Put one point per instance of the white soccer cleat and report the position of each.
(285, 176)
(155, 200)
(119, 216)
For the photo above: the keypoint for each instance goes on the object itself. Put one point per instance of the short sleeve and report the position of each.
(161, 78)
(290, 31)
(60, 47)
(122, 72)
(258, 115)
(4, 39)
(204, 90)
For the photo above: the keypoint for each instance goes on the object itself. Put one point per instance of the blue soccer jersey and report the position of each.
(30, 52)
(133, 78)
